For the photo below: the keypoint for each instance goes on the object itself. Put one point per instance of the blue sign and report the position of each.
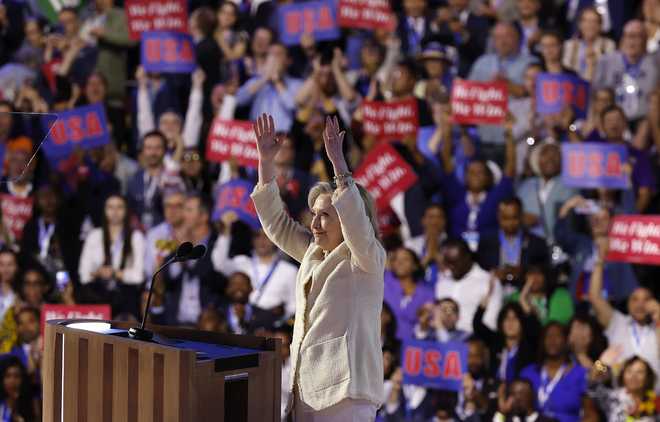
(235, 196)
(594, 165)
(556, 91)
(80, 128)
(434, 365)
(316, 17)
(167, 52)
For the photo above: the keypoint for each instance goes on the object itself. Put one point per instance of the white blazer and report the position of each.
(336, 347)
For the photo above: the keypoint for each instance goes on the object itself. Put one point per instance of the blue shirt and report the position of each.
(405, 309)
(269, 100)
(565, 400)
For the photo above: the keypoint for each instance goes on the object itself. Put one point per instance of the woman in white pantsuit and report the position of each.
(336, 359)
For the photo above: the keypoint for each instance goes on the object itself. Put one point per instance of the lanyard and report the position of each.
(262, 283)
(5, 412)
(506, 363)
(45, 235)
(637, 336)
(548, 386)
(475, 206)
(431, 274)
(117, 246)
(632, 69)
(510, 250)
(151, 185)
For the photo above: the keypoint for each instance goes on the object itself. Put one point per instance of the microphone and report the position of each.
(184, 252)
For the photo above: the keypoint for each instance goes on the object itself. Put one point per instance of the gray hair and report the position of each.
(325, 188)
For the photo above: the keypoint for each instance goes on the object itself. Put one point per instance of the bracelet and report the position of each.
(343, 175)
(600, 366)
(343, 180)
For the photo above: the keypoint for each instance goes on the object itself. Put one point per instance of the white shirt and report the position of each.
(190, 306)
(92, 257)
(468, 292)
(279, 288)
(6, 302)
(634, 339)
(418, 243)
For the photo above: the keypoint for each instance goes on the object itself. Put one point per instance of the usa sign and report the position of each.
(315, 17)
(635, 239)
(83, 127)
(232, 139)
(235, 196)
(554, 92)
(167, 52)
(594, 165)
(385, 174)
(388, 121)
(434, 365)
(479, 103)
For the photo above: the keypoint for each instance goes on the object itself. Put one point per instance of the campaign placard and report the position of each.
(83, 127)
(389, 121)
(556, 91)
(433, 364)
(385, 174)
(594, 165)
(156, 15)
(51, 311)
(315, 17)
(635, 239)
(235, 196)
(232, 139)
(479, 103)
(16, 212)
(366, 14)
(167, 52)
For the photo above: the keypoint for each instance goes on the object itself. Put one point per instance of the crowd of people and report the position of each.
(489, 247)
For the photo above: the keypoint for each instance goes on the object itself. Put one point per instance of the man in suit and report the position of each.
(414, 26)
(511, 249)
(518, 404)
(242, 316)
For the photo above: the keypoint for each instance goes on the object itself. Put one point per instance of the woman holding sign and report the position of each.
(336, 358)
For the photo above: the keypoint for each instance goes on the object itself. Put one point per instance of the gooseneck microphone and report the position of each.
(185, 252)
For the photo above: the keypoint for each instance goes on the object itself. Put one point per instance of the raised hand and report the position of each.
(334, 141)
(267, 142)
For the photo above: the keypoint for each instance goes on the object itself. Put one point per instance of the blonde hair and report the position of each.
(325, 188)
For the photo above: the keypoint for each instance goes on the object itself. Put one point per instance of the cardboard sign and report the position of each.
(15, 213)
(235, 196)
(316, 17)
(384, 174)
(83, 127)
(49, 312)
(479, 103)
(232, 139)
(389, 121)
(434, 365)
(366, 14)
(594, 165)
(635, 239)
(167, 52)
(156, 15)
(554, 92)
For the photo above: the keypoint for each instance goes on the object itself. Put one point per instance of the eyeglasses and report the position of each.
(191, 156)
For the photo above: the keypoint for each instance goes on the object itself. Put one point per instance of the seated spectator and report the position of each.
(634, 334)
(437, 322)
(164, 238)
(112, 259)
(544, 194)
(438, 76)
(34, 287)
(18, 401)
(273, 91)
(479, 395)
(630, 72)
(583, 51)
(427, 245)
(516, 402)
(634, 397)
(560, 383)
(543, 298)
(8, 273)
(273, 279)
(29, 344)
(241, 316)
(405, 291)
(586, 339)
(512, 249)
(513, 346)
(465, 275)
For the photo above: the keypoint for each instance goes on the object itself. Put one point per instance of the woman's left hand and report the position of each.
(334, 141)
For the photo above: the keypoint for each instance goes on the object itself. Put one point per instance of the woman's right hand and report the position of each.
(267, 142)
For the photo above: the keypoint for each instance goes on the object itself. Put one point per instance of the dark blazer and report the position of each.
(534, 251)
(136, 200)
(471, 48)
(212, 284)
(411, 42)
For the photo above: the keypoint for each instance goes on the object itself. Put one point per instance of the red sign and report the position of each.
(390, 121)
(156, 15)
(635, 239)
(49, 312)
(15, 213)
(366, 14)
(232, 139)
(478, 103)
(385, 174)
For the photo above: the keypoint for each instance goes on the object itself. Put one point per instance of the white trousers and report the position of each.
(347, 410)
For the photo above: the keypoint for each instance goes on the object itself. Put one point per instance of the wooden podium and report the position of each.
(92, 371)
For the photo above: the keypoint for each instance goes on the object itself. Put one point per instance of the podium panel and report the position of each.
(92, 371)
